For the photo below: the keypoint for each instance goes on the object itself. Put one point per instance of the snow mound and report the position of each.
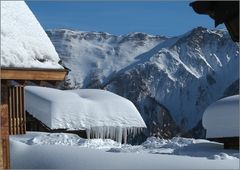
(185, 148)
(68, 139)
(99, 143)
(24, 43)
(181, 146)
(42, 156)
(102, 113)
(55, 139)
(221, 119)
(176, 142)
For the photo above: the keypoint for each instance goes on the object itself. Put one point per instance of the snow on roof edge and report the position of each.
(24, 43)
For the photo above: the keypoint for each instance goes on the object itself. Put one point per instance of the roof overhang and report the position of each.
(33, 74)
(226, 12)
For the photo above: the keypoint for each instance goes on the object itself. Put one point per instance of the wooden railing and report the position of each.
(16, 110)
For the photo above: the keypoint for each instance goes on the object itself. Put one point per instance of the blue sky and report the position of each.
(155, 17)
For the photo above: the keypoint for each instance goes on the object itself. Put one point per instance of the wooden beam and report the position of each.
(32, 74)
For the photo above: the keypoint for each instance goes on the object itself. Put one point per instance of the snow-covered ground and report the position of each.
(24, 43)
(68, 151)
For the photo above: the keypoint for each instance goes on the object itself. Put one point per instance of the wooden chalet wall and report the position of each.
(4, 140)
(13, 117)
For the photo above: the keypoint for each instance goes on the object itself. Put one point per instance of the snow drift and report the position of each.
(37, 150)
(24, 43)
(221, 119)
(102, 113)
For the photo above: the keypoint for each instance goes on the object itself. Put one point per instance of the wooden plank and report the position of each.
(1, 155)
(20, 110)
(10, 110)
(6, 152)
(4, 138)
(23, 110)
(17, 109)
(13, 110)
(33, 74)
(4, 120)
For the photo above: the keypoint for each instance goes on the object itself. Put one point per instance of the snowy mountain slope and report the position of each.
(24, 43)
(184, 78)
(98, 55)
(175, 78)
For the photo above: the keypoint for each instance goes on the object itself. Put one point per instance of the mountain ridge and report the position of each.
(183, 74)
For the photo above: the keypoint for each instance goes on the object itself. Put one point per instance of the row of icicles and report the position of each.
(118, 134)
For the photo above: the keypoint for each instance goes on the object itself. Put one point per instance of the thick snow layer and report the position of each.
(100, 112)
(24, 43)
(67, 151)
(221, 119)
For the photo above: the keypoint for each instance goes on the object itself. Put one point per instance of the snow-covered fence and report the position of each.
(17, 116)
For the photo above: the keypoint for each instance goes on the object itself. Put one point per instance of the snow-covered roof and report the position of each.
(221, 119)
(100, 112)
(24, 43)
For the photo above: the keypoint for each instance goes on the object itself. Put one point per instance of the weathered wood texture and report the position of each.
(5, 155)
(32, 74)
(5, 152)
(1, 155)
(17, 116)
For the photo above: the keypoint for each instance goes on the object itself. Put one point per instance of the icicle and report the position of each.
(88, 133)
(125, 135)
(118, 134)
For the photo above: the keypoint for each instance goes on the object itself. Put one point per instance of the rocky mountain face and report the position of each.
(171, 80)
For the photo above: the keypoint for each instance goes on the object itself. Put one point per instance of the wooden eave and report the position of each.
(33, 74)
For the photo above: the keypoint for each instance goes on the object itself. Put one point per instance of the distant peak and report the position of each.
(64, 30)
(209, 31)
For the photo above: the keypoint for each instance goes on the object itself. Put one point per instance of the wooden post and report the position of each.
(4, 140)
(5, 137)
